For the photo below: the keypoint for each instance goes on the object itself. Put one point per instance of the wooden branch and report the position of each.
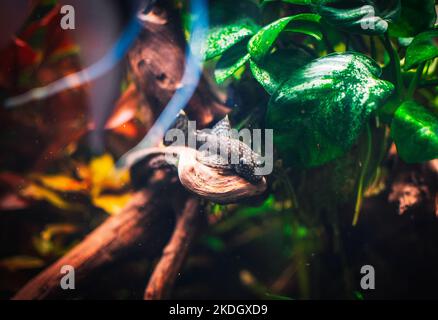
(215, 184)
(157, 65)
(174, 254)
(414, 185)
(140, 225)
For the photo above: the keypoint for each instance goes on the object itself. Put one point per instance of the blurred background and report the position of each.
(58, 181)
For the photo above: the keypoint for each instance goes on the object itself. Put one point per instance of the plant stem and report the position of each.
(414, 82)
(395, 61)
(360, 188)
(373, 48)
(384, 144)
(426, 72)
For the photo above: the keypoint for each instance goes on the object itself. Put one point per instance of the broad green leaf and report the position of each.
(359, 16)
(306, 27)
(415, 132)
(262, 42)
(300, 2)
(319, 112)
(276, 67)
(221, 38)
(424, 47)
(224, 12)
(416, 16)
(405, 42)
(231, 61)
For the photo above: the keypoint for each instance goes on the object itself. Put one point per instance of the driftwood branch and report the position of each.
(415, 185)
(174, 254)
(215, 184)
(157, 64)
(139, 226)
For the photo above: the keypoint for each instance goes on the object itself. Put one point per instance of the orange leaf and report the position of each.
(128, 130)
(21, 263)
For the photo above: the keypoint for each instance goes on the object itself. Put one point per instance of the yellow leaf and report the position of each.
(340, 47)
(61, 183)
(104, 175)
(21, 263)
(112, 203)
(42, 246)
(58, 228)
(49, 247)
(37, 192)
(101, 167)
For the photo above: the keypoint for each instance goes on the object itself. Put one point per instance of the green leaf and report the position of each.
(276, 67)
(415, 132)
(320, 111)
(262, 42)
(359, 16)
(416, 16)
(223, 12)
(299, 2)
(405, 42)
(308, 27)
(221, 38)
(424, 47)
(231, 61)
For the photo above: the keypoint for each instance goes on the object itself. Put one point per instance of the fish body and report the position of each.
(219, 149)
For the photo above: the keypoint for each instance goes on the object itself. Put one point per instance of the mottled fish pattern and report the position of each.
(221, 156)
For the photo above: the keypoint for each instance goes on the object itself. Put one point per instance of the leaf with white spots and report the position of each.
(319, 112)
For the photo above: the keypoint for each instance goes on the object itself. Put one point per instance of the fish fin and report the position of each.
(181, 122)
(222, 128)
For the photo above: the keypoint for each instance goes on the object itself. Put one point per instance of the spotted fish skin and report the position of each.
(225, 148)
(227, 153)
